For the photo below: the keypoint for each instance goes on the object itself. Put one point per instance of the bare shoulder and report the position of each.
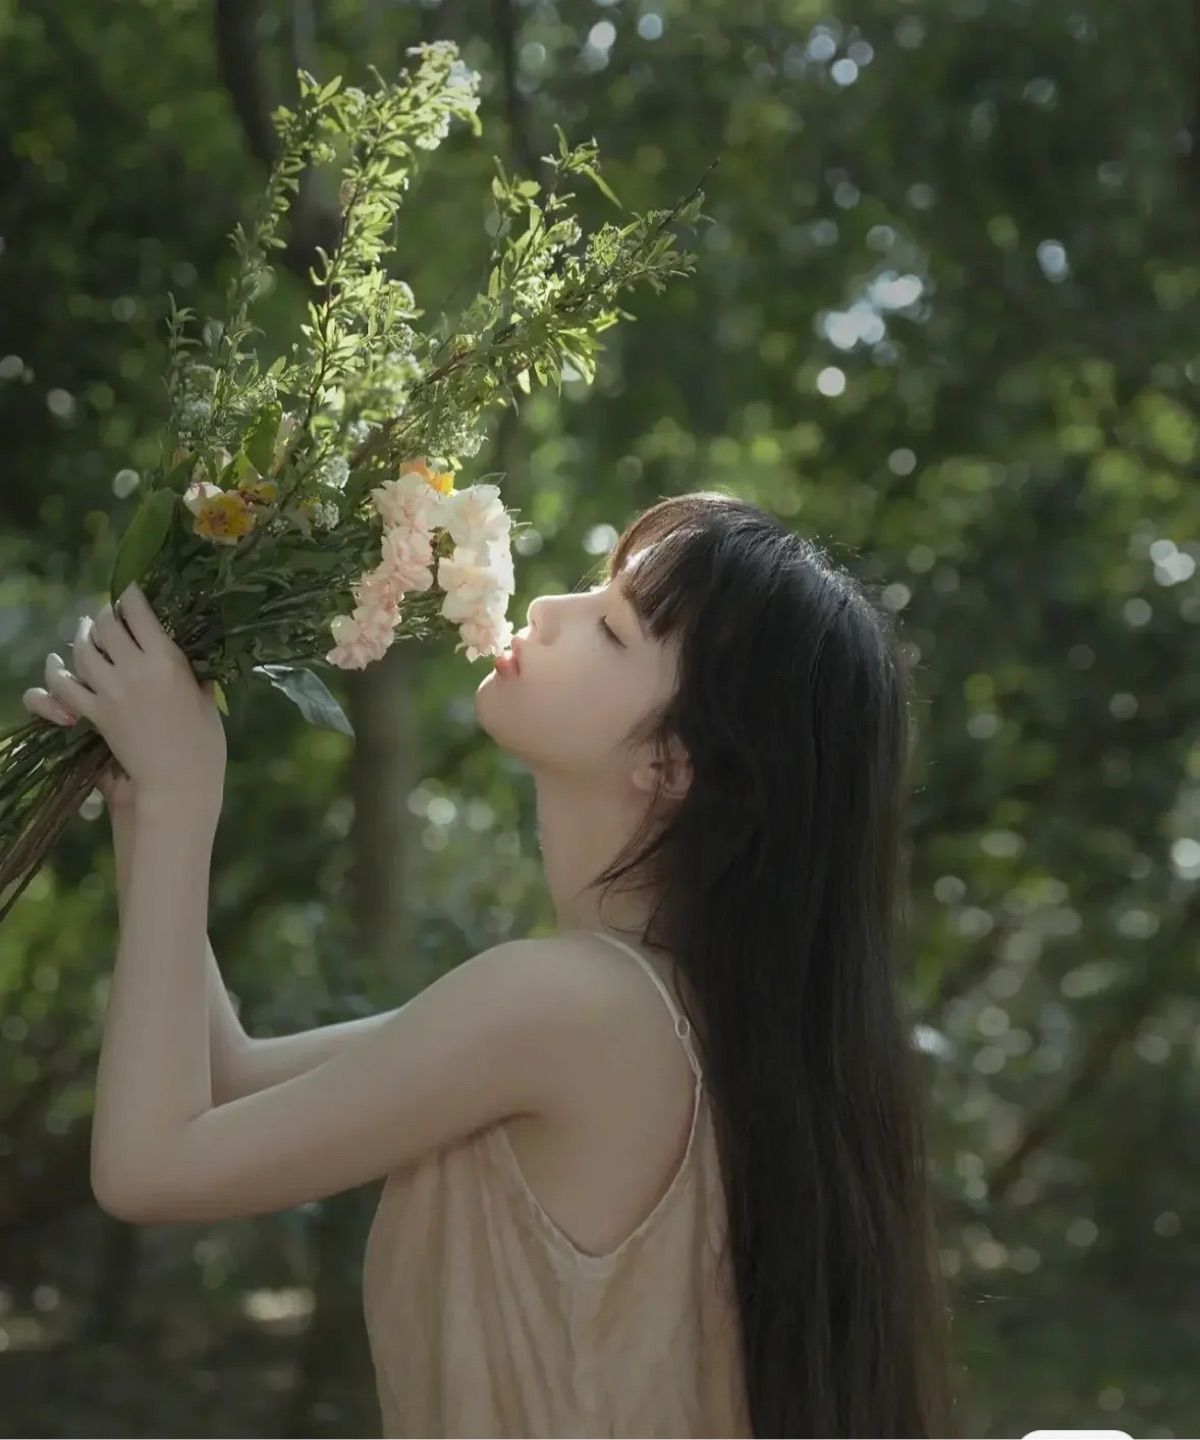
(568, 977)
(558, 999)
(618, 1033)
(576, 984)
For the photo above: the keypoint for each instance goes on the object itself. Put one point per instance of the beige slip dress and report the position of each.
(484, 1317)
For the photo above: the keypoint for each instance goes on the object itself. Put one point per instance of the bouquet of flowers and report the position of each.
(308, 511)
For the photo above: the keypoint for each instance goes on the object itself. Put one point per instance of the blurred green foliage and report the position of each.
(945, 322)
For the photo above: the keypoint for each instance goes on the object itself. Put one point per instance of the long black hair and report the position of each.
(777, 886)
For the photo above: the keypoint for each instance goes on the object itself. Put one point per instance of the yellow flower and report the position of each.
(441, 481)
(224, 519)
(261, 492)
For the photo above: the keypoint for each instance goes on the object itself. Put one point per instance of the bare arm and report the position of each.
(228, 1041)
(242, 1064)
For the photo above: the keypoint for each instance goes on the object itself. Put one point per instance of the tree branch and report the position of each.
(313, 222)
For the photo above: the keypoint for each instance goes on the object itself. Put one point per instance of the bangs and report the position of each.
(659, 553)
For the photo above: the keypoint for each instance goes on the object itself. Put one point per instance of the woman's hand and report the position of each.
(113, 784)
(134, 684)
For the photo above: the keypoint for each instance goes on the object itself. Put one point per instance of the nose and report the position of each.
(536, 614)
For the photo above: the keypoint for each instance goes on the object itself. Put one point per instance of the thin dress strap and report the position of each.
(683, 1026)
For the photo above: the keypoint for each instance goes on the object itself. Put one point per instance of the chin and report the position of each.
(490, 682)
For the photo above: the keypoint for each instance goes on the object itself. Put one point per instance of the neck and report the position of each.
(580, 831)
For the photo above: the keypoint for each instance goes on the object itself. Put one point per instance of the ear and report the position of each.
(669, 777)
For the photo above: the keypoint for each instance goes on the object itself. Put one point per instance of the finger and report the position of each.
(41, 702)
(143, 623)
(91, 665)
(67, 689)
(114, 637)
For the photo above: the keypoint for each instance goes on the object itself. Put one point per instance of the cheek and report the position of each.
(574, 713)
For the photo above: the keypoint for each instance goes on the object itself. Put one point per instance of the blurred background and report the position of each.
(946, 323)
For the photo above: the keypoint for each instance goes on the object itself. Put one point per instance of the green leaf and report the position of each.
(240, 468)
(238, 608)
(219, 697)
(309, 695)
(179, 477)
(227, 475)
(602, 185)
(259, 443)
(143, 539)
(314, 560)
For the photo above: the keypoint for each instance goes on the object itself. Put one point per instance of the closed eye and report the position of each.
(610, 634)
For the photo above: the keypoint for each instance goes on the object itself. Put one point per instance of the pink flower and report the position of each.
(361, 638)
(351, 656)
(485, 633)
(379, 590)
(408, 558)
(476, 517)
(407, 502)
(471, 583)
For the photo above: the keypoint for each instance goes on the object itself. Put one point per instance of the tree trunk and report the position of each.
(335, 1367)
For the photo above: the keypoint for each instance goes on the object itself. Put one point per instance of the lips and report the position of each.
(508, 662)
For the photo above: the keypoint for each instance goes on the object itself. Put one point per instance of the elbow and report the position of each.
(116, 1205)
(118, 1199)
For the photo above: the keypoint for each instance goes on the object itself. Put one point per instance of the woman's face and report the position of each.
(589, 672)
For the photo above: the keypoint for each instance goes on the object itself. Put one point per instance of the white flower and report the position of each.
(198, 492)
(324, 515)
(194, 412)
(476, 517)
(499, 560)
(462, 82)
(478, 568)
(409, 502)
(333, 471)
(436, 135)
(485, 632)
(470, 584)
(478, 577)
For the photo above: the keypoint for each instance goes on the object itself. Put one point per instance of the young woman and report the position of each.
(694, 1206)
